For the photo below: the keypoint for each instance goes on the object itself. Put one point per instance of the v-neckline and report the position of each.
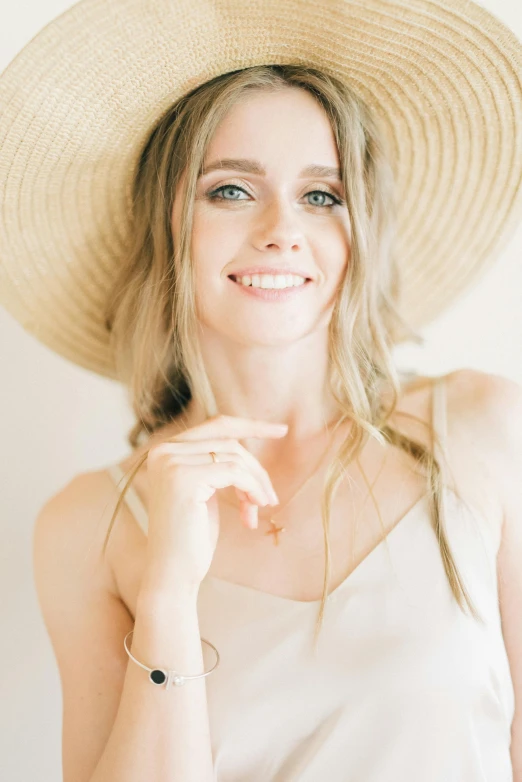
(401, 524)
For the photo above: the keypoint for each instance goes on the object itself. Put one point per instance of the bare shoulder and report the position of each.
(485, 435)
(484, 392)
(70, 523)
(489, 408)
(71, 528)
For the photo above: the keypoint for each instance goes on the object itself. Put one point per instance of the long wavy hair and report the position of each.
(151, 314)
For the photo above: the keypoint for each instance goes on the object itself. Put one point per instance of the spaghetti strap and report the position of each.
(439, 421)
(132, 499)
(439, 409)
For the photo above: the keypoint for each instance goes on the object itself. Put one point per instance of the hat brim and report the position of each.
(77, 103)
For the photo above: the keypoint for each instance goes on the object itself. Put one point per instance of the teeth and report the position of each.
(271, 280)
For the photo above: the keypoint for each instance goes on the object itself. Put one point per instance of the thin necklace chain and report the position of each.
(275, 530)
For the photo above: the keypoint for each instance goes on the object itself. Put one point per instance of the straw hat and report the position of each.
(76, 105)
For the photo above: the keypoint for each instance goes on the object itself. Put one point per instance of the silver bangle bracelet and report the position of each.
(161, 676)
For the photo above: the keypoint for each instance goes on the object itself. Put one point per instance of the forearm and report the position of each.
(161, 735)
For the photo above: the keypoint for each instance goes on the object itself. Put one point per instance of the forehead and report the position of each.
(286, 128)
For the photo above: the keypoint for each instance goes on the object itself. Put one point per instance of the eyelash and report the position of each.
(212, 196)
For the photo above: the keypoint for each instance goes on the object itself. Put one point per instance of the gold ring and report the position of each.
(214, 457)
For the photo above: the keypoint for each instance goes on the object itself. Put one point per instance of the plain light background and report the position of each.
(58, 420)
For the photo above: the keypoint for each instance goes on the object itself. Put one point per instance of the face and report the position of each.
(265, 214)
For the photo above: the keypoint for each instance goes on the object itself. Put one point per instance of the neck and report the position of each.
(284, 384)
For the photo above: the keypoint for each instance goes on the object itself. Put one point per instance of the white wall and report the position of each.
(47, 433)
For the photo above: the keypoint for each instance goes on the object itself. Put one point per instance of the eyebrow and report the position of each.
(253, 167)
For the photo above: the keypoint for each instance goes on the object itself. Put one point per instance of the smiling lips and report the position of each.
(270, 281)
(268, 288)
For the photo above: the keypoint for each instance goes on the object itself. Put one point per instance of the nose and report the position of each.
(278, 228)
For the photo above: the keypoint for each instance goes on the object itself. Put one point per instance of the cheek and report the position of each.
(208, 257)
(214, 247)
(333, 248)
(215, 241)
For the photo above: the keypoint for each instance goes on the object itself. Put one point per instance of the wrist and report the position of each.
(154, 594)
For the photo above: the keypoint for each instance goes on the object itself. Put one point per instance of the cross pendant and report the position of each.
(275, 531)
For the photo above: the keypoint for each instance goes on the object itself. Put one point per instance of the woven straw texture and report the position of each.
(443, 78)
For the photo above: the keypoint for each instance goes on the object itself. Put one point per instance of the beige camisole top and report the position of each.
(403, 688)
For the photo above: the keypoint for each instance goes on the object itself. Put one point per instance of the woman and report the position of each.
(260, 289)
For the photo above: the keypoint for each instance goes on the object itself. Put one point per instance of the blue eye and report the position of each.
(328, 195)
(221, 190)
(219, 195)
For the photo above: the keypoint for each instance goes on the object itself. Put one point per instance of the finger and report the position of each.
(220, 475)
(247, 509)
(204, 458)
(222, 448)
(262, 473)
(249, 515)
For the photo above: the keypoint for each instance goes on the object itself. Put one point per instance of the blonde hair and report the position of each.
(151, 313)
